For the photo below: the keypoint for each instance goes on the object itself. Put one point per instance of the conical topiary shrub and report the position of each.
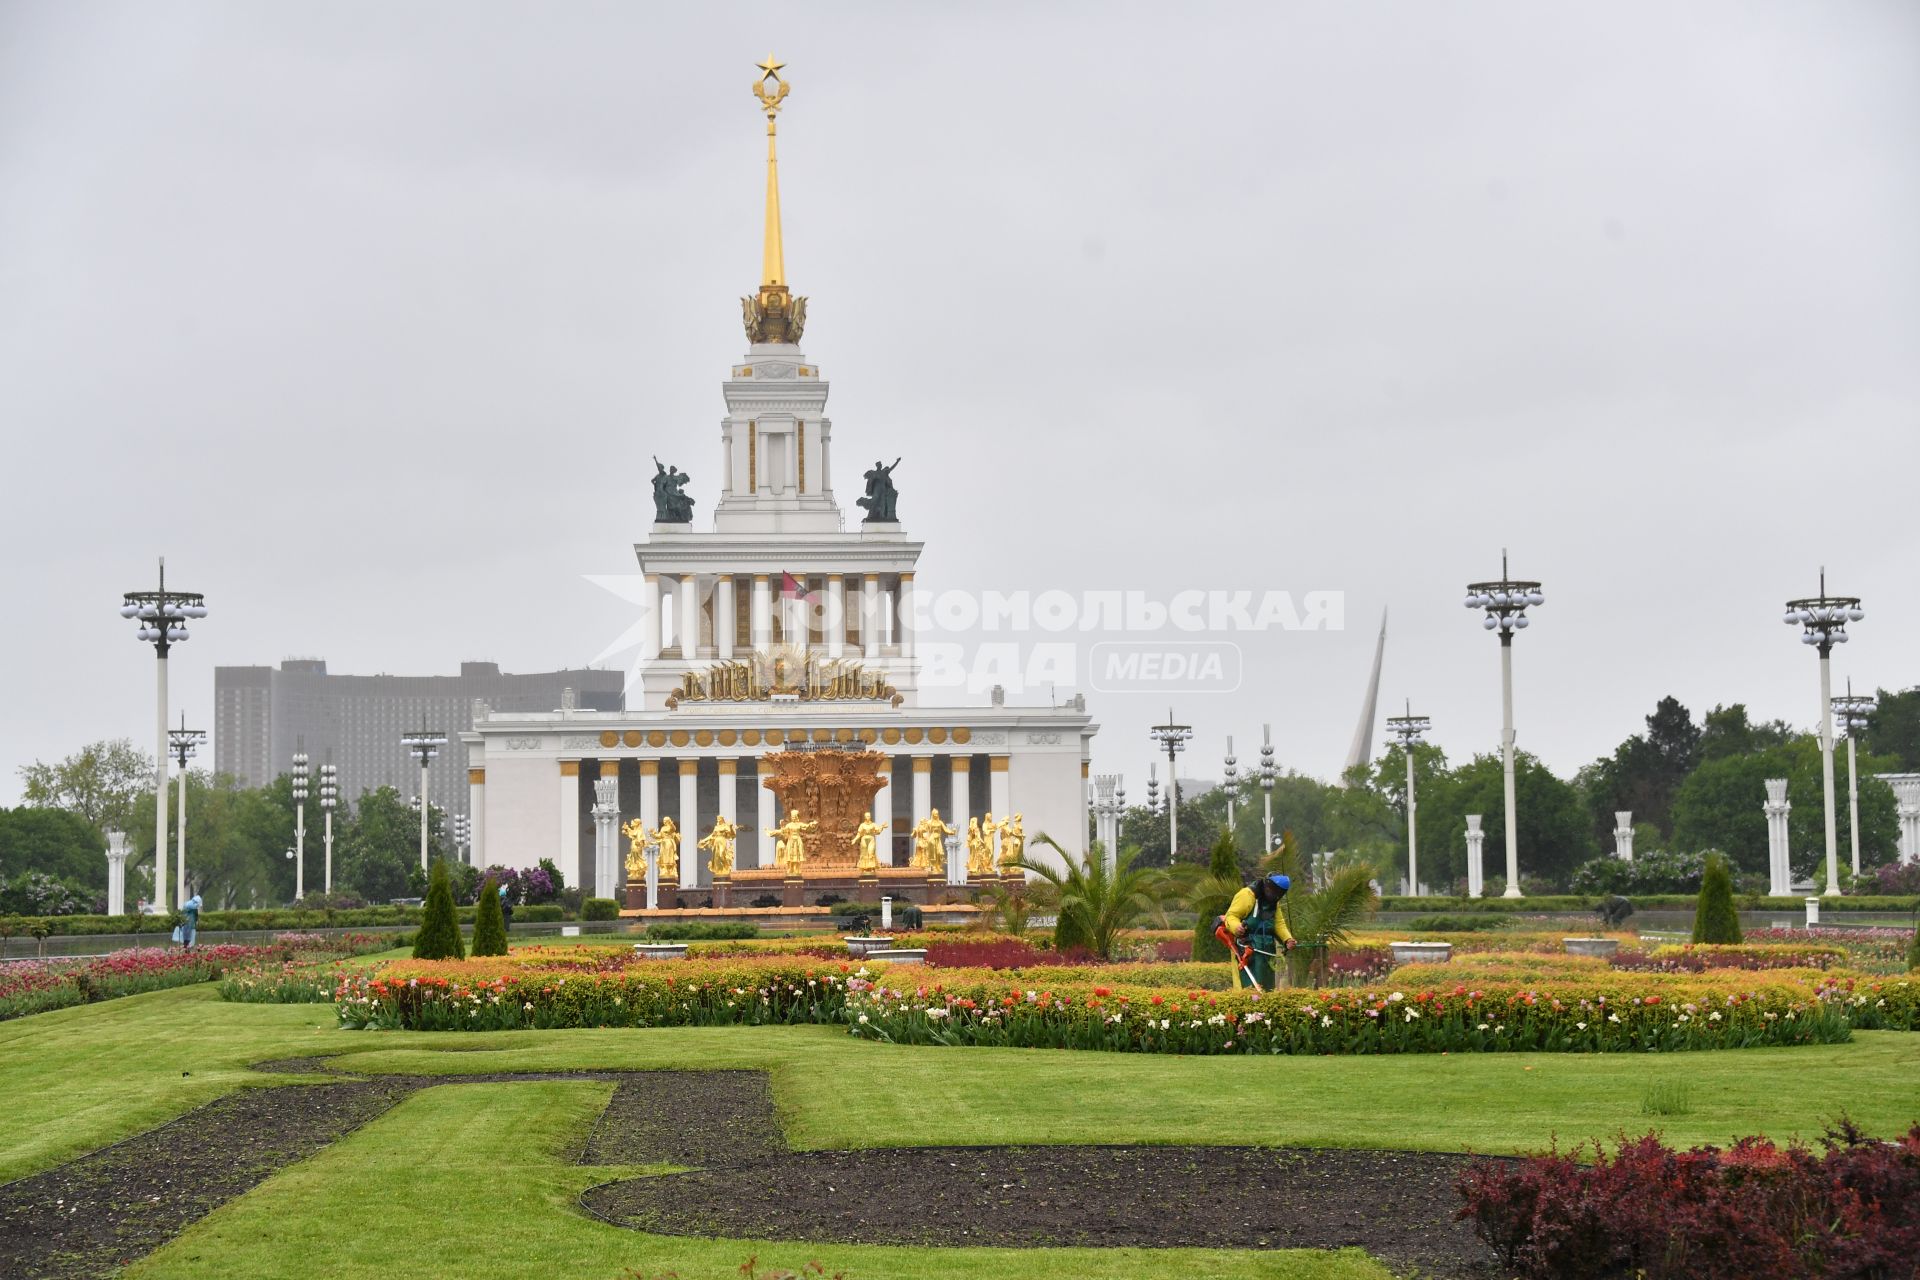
(439, 936)
(1913, 951)
(1214, 895)
(489, 925)
(1715, 920)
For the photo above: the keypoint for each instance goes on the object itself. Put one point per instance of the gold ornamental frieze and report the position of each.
(784, 675)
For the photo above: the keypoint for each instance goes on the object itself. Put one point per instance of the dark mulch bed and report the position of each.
(1397, 1205)
(92, 1216)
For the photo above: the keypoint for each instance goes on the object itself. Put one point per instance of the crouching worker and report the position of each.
(1255, 921)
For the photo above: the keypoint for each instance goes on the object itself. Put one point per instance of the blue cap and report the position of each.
(1280, 882)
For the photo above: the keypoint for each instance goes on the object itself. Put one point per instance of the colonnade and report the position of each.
(845, 615)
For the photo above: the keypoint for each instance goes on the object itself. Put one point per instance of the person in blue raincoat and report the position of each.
(189, 921)
(506, 907)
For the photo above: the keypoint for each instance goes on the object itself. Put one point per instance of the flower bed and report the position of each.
(471, 996)
(35, 986)
(1695, 957)
(1880, 948)
(1706, 1214)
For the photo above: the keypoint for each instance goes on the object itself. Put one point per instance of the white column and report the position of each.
(425, 811)
(1779, 867)
(1906, 798)
(1476, 857)
(160, 795)
(1413, 828)
(568, 856)
(922, 787)
(870, 619)
(688, 620)
(117, 852)
(1623, 834)
(1106, 815)
(836, 622)
(606, 817)
(180, 845)
(650, 623)
(729, 796)
(477, 814)
(763, 838)
(724, 617)
(761, 616)
(1826, 772)
(1506, 751)
(903, 604)
(650, 797)
(961, 798)
(1853, 801)
(689, 822)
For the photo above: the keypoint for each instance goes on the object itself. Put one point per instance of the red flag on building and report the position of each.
(792, 588)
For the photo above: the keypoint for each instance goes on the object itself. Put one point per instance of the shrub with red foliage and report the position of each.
(1755, 1209)
(1002, 953)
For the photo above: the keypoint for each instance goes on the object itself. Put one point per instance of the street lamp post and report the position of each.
(1506, 602)
(1823, 619)
(1852, 710)
(183, 743)
(425, 744)
(1174, 738)
(163, 617)
(329, 796)
(1153, 788)
(1268, 773)
(1232, 783)
(300, 775)
(1409, 731)
(463, 836)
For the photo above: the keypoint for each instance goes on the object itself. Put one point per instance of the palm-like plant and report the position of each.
(1095, 904)
(1321, 909)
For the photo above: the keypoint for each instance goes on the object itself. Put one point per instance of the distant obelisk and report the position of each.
(1361, 752)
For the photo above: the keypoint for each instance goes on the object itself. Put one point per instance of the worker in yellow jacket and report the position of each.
(1255, 919)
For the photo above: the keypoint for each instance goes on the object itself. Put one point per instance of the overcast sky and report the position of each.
(369, 317)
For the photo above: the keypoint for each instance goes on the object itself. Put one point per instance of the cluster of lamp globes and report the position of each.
(175, 614)
(1504, 607)
(1824, 622)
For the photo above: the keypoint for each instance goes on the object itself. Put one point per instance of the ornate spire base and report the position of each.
(774, 315)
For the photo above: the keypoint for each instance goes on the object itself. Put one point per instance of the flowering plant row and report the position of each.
(35, 986)
(1582, 1017)
(1695, 957)
(423, 997)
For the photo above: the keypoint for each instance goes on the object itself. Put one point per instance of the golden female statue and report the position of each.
(636, 834)
(668, 838)
(929, 847)
(790, 843)
(866, 838)
(1013, 843)
(980, 847)
(719, 843)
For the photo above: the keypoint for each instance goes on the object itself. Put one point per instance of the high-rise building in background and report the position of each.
(262, 715)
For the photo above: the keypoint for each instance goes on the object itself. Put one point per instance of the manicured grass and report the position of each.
(474, 1181)
(78, 1079)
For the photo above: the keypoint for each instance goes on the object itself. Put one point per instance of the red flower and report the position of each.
(1158, 1000)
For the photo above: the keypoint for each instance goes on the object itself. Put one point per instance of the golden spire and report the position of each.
(772, 316)
(773, 269)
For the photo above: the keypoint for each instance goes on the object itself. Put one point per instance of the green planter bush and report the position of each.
(1715, 919)
(489, 925)
(599, 909)
(439, 936)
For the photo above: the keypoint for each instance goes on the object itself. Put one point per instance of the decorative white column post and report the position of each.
(180, 842)
(606, 818)
(651, 852)
(1106, 815)
(650, 794)
(725, 617)
(903, 610)
(870, 617)
(689, 821)
(760, 612)
(1623, 834)
(1826, 772)
(999, 794)
(922, 787)
(160, 799)
(729, 796)
(1476, 856)
(962, 802)
(567, 858)
(117, 852)
(1853, 800)
(836, 620)
(1512, 824)
(1906, 799)
(769, 819)
(1779, 868)
(650, 625)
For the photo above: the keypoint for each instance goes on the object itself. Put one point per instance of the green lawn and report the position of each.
(489, 1158)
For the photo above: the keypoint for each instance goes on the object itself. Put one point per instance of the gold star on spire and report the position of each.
(771, 67)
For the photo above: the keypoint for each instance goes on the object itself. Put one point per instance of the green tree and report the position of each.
(1644, 772)
(380, 845)
(1893, 728)
(1714, 918)
(1719, 807)
(439, 935)
(489, 924)
(99, 782)
(56, 842)
(1385, 826)
(1555, 835)
(1096, 905)
(1726, 731)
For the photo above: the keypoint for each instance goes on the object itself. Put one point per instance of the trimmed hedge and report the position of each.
(1715, 919)
(266, 918)
(490, 923)
(1543, 904)
(438, 937)
(599, 909)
